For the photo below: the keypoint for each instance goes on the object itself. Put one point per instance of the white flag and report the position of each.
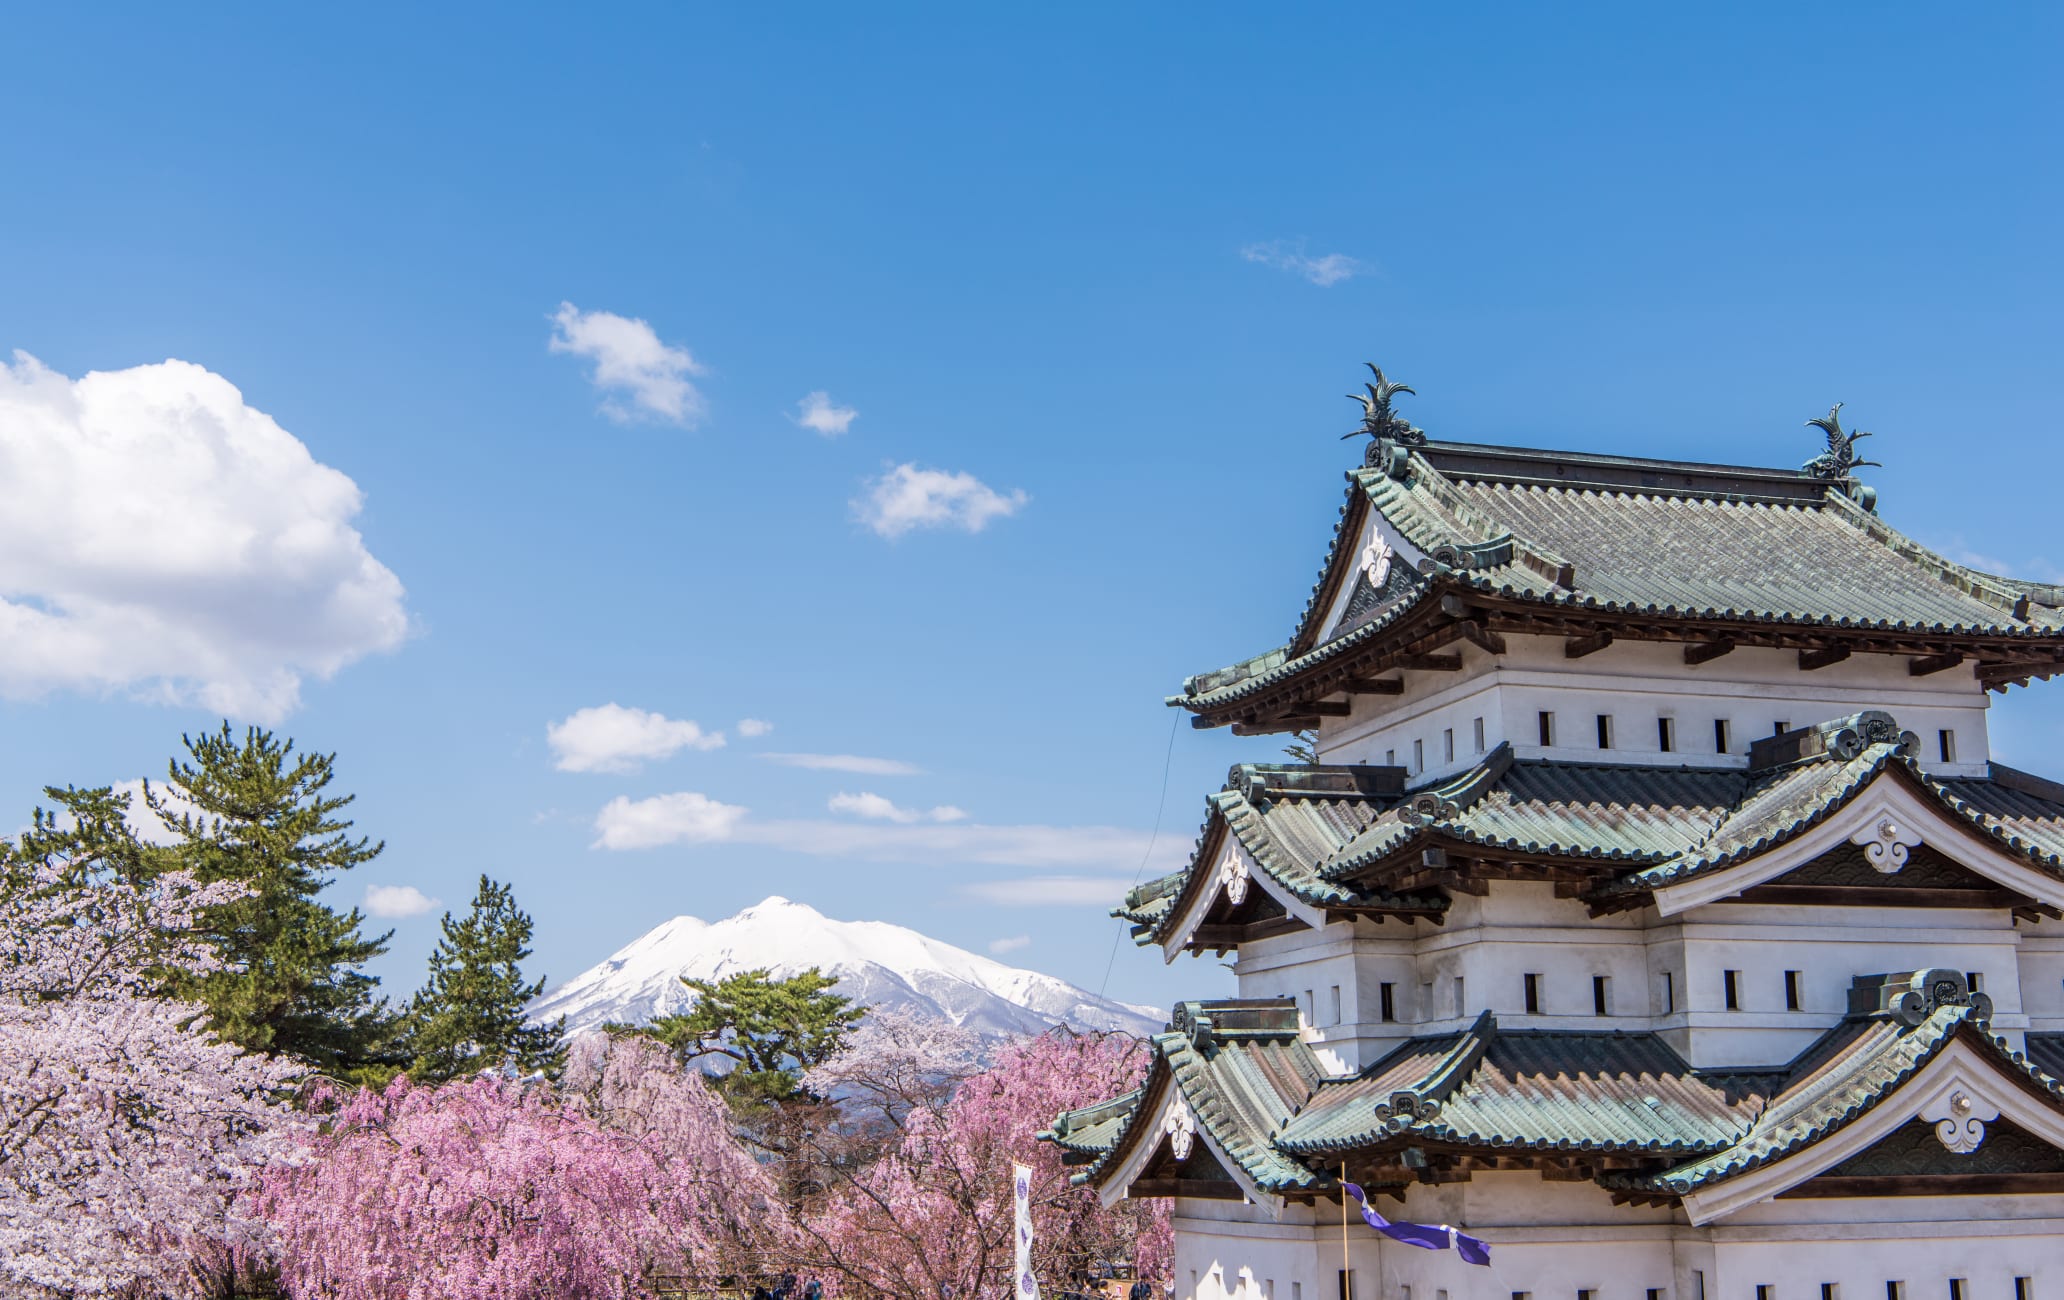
(1021, 1195)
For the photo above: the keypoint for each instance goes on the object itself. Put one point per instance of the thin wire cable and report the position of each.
(1160, 806)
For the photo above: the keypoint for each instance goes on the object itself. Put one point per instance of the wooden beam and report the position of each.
(1325, 708)
(1809, 660)
(1275, 726)
(1481, 637)
(1705, 652)
(1579, 646)
(1213, 1190)
(1927, 664)
(1375, 686)
(1447, 663)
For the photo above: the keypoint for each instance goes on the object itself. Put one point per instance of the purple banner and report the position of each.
(1428, 1236)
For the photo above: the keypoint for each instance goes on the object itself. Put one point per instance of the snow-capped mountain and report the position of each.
(876, 964)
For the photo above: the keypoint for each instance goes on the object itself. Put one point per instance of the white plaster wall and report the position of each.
(1551, 1241)
(1637, 682)
(1490, 944)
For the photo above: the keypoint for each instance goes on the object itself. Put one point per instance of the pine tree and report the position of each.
(257, 813)
(772, 1030)
(469, 1017)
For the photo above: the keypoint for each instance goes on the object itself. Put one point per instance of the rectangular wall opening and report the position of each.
(1605, 731)
(1780, 727)
(1601, 995)
(1831, 1291)
(1719, 735)
(1957, 1289)
(1461, 1004)
(1730, 985)
(1666, 734)
(1669, 993)
(1334, 1004)
(1418, 756)
(1448, 745)
(1895, 1291)
(1547, 728)
(1945, 742)
(1479, 735)
(1791, 990)
(1387, 996)
(1532, 984)
(2024, 1288)
(1346, 1284)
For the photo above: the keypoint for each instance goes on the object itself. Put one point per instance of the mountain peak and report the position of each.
(877, 964)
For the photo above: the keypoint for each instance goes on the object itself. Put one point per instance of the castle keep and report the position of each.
(1652, 908)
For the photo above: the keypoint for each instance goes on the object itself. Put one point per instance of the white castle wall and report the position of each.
(1576, 1245)
(1443, 976)
(1635, 683)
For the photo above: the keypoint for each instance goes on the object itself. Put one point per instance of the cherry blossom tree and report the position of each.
(499, 1189)
(127, 1129)
(932, 1218)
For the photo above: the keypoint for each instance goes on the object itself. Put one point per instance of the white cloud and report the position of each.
(1285, 255)
(390, 902)
(753, 728)
(145, 823)
(998, 947)
(907, 497)
(684, 818)
(819, 412)
(612, 738)
(876, 808)
(857, 764)
(1050, 891)
(691, 818)
(630, 360)
(162, 538)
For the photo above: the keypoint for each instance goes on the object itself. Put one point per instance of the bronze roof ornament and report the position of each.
(1840, 460)
(1379, 422)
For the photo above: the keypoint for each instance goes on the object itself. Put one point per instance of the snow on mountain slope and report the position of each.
(878, 964)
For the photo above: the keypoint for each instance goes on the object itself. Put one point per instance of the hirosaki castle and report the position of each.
(1652, 908)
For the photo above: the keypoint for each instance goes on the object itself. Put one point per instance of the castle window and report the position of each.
(1791, 990)
(1974, 981)
(1601, 995)
(1346, 1284)
(1669, 993)
(1730, 981)
(1666, 734)
(1390, 758)
(1388, 996)
(1532, 984)
(1479, 735)
(1461, 1004)
(1426, 1001)
(1547, 728)
(1335, 1004)
(1830, 1291)
(1780, 728)
(1418, 756)
(1957, 1290)
(1946, 742)
(1657, 1293)
(1765, 1291)
(1585, 1293)
(1605, 731)
(1719, 735)
(1448, 745)
(2024, 1288)
(1310, 1008)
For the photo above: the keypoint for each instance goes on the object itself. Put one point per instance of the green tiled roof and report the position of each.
(1266, 1103)
(1659, 540)
(1661, 825)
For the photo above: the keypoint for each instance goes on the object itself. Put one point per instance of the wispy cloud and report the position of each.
(683, 818)
(393, 902)
(857, 764)
(817, 411)
(998, 947)
(692, 818)
(630, 360)
(1050, 891)
(907, 498)
(876, 808)
(612, 738)
(1289, 255)
(753, 728)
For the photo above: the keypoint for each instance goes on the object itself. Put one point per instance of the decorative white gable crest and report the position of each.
(1960, 1120)
(1376, 558)
(1232, 873)
(1886, 843)
(1180, 1126)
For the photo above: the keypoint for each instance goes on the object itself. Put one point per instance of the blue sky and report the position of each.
(1115, 268)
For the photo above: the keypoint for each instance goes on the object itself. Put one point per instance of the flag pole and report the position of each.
(1346, 1273)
